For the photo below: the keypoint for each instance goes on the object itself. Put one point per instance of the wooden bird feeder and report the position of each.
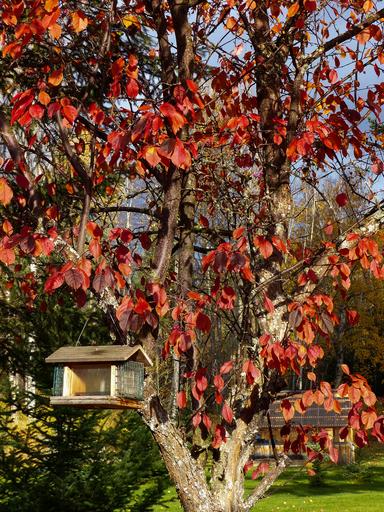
(106, 377)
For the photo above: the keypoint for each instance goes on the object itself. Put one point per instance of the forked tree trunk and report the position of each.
(225, 490)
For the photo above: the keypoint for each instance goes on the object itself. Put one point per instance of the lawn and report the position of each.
(341, 491)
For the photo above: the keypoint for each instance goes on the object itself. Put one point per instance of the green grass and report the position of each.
(341, 491)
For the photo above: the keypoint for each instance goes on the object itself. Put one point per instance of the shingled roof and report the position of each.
(95, 354)
(315, 415)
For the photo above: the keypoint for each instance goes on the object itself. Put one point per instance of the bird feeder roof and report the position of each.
(99, 354)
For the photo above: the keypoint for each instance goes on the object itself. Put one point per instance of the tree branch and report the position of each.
(131, 209)
(356, 29)
(17, 154)
(85, 178)
(267, 482)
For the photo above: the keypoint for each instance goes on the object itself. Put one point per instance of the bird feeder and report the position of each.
(107, 377)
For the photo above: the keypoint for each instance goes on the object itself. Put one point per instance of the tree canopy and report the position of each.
(156, 155)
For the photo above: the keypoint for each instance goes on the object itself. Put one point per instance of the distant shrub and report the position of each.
(358, 472)
(318, 478)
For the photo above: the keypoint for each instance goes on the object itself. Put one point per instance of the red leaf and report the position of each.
(342, 199)
(201, 380)
(53, 282)
(192, 86)
(328, 230)
(219, 437)
(94, 230)
(203, 221)
(226, 367)
(181, 399)
(196, 420)
(180, 156)
(74, 278)
(261, 469)
(70, 113)
(227, 413)
(288, 410)
(238, 232)
(279, 244)
(145, 241)
(333, 454)
(132, 88)
(353, 317)
(218, 382)
(268, 304)
(142, 306)
(252, 373)
(203, 322)
(207, 421)
(99, 282)
(176, 119)
(345, 369)
(95, 248)
(36, 111)
(361, 438)
(265, 247)
(333, 76)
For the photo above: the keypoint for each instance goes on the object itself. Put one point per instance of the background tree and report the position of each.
(64, 459)
(214, 166)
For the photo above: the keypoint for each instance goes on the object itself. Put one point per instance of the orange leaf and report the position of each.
(364, 35)
(56, 77)
(176, 119)
(79, 21)
(55, 30)
(44, 98)
(368, 4)
(293, 10)
(6, 193)
(7, 227)
(151, 155)
(7, 256)
(238, 232)
(50, 5)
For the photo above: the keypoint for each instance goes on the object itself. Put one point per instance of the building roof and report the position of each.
(315, 415)
(98, 354)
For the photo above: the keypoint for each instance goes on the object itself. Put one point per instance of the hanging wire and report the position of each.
(82, 330)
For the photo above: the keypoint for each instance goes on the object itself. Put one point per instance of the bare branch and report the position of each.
(330, 45)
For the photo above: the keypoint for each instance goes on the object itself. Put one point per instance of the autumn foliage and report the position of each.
(206, 124)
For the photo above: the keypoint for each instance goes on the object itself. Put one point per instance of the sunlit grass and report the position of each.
(341, 491)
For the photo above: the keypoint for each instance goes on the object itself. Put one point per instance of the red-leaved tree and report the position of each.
(156, 156)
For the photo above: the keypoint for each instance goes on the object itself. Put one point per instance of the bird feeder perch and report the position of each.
(106, 377)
